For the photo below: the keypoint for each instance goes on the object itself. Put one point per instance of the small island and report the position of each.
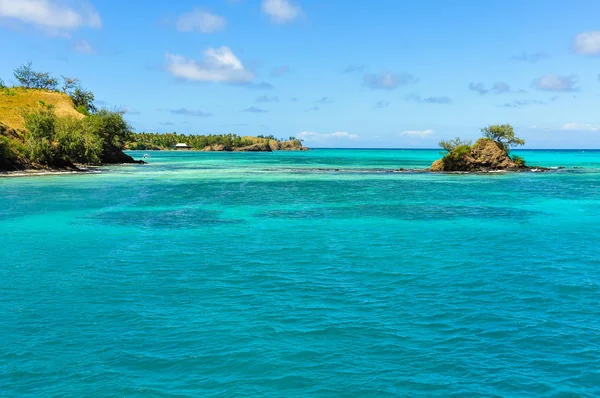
(489, 153)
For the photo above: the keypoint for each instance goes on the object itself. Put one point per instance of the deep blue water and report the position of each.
(302, 274)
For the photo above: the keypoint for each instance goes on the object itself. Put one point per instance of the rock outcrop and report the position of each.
(484, 155)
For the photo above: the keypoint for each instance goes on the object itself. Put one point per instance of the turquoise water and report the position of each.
(302, 274)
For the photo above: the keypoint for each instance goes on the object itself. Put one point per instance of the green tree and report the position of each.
(41, 128)
(112, 128)
(69, 84)
(450, 145)
(25, 75)
(504, 135)
(2, 85)
(83, 98)
(77, 142)
(43, 80)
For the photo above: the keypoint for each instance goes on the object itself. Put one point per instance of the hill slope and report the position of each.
(13, 101)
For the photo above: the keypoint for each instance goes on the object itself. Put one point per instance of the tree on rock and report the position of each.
(504, 135)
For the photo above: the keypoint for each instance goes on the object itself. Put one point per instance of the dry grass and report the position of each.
(12, 106)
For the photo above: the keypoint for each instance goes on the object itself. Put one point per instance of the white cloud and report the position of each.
(587, 43)
(556, 83)
(53, 16)
(388, 80)
(83, 47)
(310, 135)
(580, 127)
(281, 11)
(218, 65)
(201, 21)
(417, 133)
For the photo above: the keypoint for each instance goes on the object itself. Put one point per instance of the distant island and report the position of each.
(48, 123)
(216, 143)
(489, 153)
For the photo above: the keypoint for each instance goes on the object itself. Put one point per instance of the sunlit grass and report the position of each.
(14, 100)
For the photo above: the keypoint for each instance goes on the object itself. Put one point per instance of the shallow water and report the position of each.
(302, 274)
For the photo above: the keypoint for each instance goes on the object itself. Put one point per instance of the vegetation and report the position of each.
(41, 126)
(503, 135)
(450, 145)
(489, 153)
(148, 141)
(32, 79)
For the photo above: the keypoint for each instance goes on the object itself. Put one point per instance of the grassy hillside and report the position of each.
(14, 100)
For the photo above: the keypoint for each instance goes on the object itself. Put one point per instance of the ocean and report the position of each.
(296, 274)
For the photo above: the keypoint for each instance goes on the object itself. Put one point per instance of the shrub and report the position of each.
(77, 141)
(83, 110)
(112, 128)
(519, 161)
(450, 145)
(41, 126)
(83, 98)
(59, 142)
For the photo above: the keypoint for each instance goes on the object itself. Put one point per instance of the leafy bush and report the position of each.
(2, 85)
(519, 161)
(77, 141)
(61, 141)
(83, 110)
(84, 99)
(112, 128)
(450, 145)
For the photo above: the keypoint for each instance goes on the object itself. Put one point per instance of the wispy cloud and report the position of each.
(444, 100)
(189, 112)
(53, 16)
(259, 86)
(83, 47)
(382, 104)
(265, 98)
(128, 110)
(313, 109)
(530, 57)
(388, 80)
(496, 88)
(167, 124)
(417, 133)
(556, 83)
(521, 103)
(199, 20)
(254, 109)
(587, 43)
(280, 71)
(311, 135)
(325, 100)
(219, 65)
(281, 11)
(580, 127)
(355, 69)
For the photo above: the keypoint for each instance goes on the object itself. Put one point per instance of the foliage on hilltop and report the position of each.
(223, 142)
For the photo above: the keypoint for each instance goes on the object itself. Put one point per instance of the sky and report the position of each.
(336, 73)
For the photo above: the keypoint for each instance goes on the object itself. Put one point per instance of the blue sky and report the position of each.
(337, 73)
